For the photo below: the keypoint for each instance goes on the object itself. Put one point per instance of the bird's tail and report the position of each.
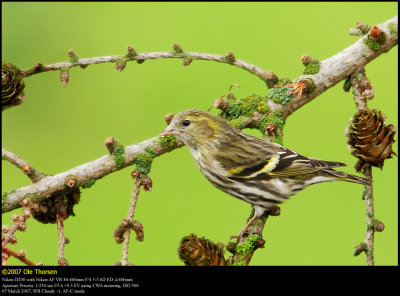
(348, 177)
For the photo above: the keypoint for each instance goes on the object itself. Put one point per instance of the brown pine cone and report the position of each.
(369, 139)
(61, 205)
(12, 86)
(194, 251)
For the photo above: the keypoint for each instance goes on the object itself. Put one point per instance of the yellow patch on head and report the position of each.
(208, 127)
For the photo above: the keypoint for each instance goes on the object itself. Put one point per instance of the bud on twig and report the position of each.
(306, 60)
(221, 103)
(177, 48)
(187, 60)
(70, 181)
(271, 79)
(168, 117)
(364, 28)
(73, 58)
(64, 76)
(376, 33)
(230, 58)
(378, 225)
(110, 143)
(131, 52)
(138, 228)
(27, 169)
(120, 65)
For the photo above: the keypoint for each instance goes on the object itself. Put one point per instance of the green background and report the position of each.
(58, 128)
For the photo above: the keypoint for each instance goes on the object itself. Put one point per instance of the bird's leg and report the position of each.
(245, 228)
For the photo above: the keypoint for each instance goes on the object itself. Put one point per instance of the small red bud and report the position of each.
(27, 169)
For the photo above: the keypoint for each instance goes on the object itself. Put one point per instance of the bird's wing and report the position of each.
(269, 161)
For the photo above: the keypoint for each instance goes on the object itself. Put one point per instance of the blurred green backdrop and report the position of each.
(59, 128)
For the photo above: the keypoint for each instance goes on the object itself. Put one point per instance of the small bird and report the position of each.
(259, 172)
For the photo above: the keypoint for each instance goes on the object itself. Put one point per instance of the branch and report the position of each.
(141, 57)
(141, 179)
(341, 65)
(20, 255)
(82, 174)
(62, 240)
(26, 168)
(362, 91)
(249, 243)
(331, 71)
(369, 217)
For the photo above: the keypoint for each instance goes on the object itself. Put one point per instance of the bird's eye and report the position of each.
(186, 122)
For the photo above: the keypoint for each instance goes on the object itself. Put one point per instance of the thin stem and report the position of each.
(129, 219)
(362, 90)
(369, 210)
(23, 259)
(61, 242)
(23, 165)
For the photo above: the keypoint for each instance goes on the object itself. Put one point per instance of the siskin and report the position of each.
(259, 172)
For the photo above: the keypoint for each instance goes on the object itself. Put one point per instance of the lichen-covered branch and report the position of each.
(85, 173)
(341, 65)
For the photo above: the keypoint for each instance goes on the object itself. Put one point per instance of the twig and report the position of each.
(26, 168)
(19, 224)
(141, 179)
(62, 261)
(248, 244)
(259, 72)
(131, 211)
(359, 82)
(369, 210)
(20, 256)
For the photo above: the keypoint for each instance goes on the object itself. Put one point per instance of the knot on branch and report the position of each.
(194, 251)
(369, 139)
(12, 86)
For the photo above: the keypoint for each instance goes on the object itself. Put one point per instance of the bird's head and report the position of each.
(194, 127)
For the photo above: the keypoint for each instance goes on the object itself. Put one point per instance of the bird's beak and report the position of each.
(168, 131)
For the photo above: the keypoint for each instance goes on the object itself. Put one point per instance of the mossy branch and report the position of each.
(50, 185)
(338, 67)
